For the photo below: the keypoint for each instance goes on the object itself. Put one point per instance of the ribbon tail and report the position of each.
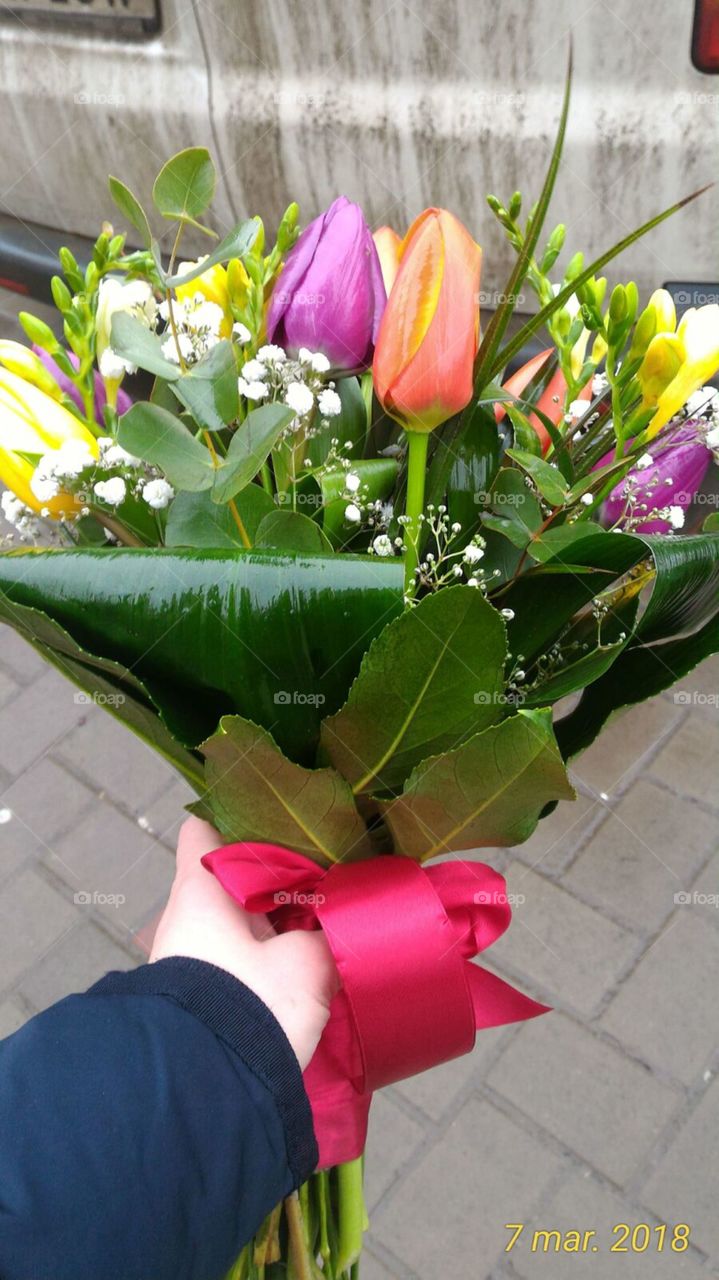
(496, 1002)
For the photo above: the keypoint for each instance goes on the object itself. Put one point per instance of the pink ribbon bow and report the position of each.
(402, 936)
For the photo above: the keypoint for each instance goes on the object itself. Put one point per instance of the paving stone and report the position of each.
(18, 657)
(373, 1269)
(45, 918)
(166, 813)
(392, 1138)
(40, 716)
(450, 1210)
(570, 952)
(705, 891)
(8, 688)
(683, 1187)
(584, 1204)
(650, 848)
(557, 836)
(435, 1091)
(43, 801)
(688, 763)
(590, 1096)
(112, 866)
(623, 743)
(12, 1018)
(83, 957)
(115, 761)
(666, 1012)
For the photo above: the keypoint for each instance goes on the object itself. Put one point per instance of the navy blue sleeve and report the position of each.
(146, 1128)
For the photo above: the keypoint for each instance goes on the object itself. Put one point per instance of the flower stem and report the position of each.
(299, 1253)
(417, 445)
(231, 504)
(352, 1216)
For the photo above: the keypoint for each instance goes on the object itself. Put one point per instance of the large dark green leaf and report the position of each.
(107, 683)
(432, 678)
(276, 638)
(678, 629)
(256, 793)
(488, 792)
(474, 467)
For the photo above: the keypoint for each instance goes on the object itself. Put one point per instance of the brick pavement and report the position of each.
(605, 1111)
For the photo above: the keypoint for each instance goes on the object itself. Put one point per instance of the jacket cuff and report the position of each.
(245, 1024)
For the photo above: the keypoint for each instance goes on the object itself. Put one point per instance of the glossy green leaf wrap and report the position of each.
(274, 637)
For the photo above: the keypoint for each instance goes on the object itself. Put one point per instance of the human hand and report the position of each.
(292, 973)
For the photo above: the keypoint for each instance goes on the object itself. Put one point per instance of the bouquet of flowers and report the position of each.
(366, 583)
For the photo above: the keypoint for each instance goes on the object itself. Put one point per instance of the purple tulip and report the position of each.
(123, 399)
(679, 464)
(330, 295)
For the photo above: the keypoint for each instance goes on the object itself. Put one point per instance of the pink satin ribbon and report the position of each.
(402, 936)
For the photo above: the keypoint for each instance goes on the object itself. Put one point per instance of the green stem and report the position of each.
(417, 445)
(267, 479)
(352, 1215)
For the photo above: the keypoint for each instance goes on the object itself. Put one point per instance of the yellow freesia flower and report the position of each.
(690, 357)
(31, 422)
(212, 284)
(25, 364)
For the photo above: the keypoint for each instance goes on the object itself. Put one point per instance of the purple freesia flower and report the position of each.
(330, 295)
(123, 399)
(671, 479)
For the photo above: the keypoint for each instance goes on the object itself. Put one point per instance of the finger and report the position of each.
(196, 838)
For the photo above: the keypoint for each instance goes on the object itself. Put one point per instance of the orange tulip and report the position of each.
(551, 401)
(428, 336)
(388, 244)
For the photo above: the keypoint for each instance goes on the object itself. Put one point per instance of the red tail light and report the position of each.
(705, 36)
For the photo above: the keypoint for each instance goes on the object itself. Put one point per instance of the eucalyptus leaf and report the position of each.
(130, 207)
(291, 531)
(256, 793)
(132, 340)
(433, 677)
(156, 436)
(185, 185)
(235, 245)
(194, 520)
(489, 792)
(209, 388)
(249, 448)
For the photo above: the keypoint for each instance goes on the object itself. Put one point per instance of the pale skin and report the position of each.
(293, 973)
